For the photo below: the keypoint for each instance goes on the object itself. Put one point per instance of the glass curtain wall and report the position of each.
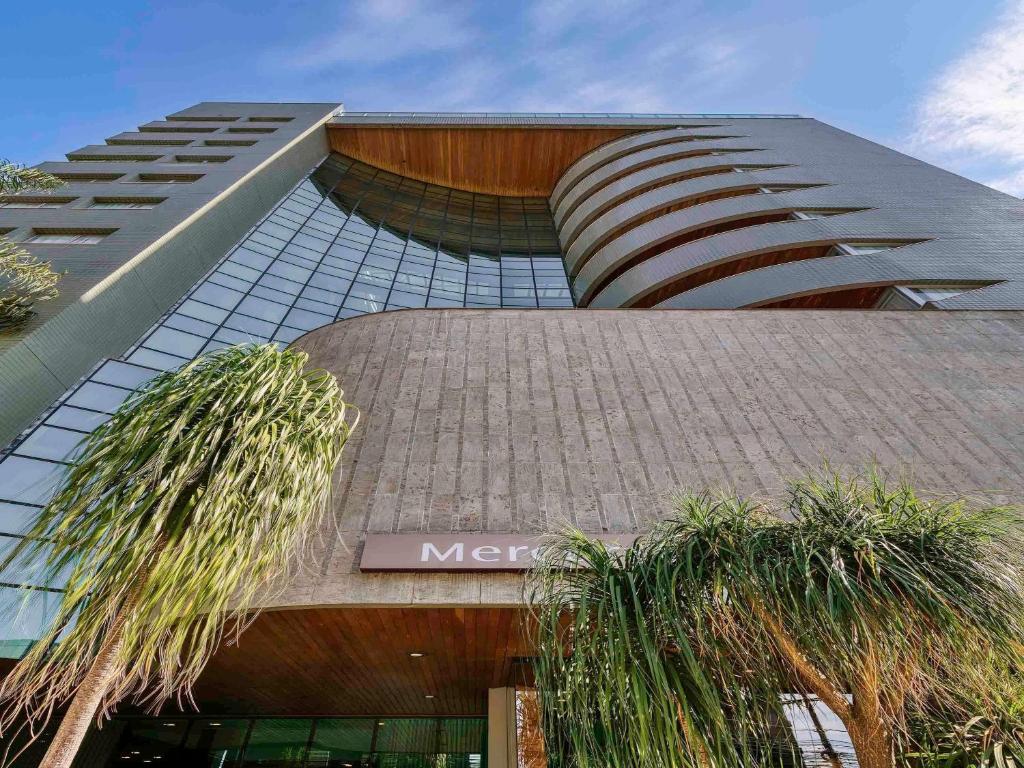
(300, 743)
(349, 240)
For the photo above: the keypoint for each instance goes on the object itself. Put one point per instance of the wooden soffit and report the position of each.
(356, 661)
(519, 161)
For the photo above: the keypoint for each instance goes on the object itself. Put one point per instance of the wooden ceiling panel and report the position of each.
(355, 661)
(499, 161)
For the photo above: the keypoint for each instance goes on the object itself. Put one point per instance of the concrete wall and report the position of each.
(116, 289)
(517, 421)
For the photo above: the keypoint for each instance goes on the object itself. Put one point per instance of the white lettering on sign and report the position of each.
(459, 552)
(429, 549)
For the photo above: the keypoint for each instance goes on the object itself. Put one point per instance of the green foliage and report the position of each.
(673, 653)
(202, 491)
(24, 280)
(16, 178)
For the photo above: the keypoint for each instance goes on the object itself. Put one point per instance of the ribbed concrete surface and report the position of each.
(506, 420)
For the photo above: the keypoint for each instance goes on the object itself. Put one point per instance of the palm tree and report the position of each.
(177, 518)
(892, 610)
(24, 279)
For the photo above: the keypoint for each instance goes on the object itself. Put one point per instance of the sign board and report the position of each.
(459, 552)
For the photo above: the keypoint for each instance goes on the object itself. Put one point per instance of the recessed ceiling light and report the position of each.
(214, 725)
(417, 654)
(429, 696)
(381, 723)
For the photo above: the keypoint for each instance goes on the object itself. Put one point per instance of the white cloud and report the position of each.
(975, 109)
(383, 31)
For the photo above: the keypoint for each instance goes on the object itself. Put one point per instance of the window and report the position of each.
(149, 142)
(202, 158)
(859, 249)
(132, 203)
(229, 142)
(255, 119)
(821, 214)
(200, 119)
(35, 202)
(176, 129)
(920, 296)
(166, 178)
(113, 158)
(88, 178)
(66, 238)
(241, 129)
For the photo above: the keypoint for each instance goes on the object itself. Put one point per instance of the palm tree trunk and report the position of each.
(94, 686)
(96, 683)
(864, 720)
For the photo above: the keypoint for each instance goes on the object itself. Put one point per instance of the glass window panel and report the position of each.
(328, 282)
(29, 481)
(214, 743)
(122, 374)
(263, 309)
(437, 301)
(30, 571)
(319, 295)
(277, 743)
(517, 301)
(315, 244)
(340, 741)
(191, 325)
(361, 305)
(175, 342)
(406, 299)
(219, 278)
(302, 318)
(240, 271)
(273, 295)
(273, 229)
(290, 271)
(159, 360)
(48, 442)
(208, 293)
(317, 306)
(284, 289)
(16, 518)
(98, 397)
(202, 311)
(250, 325)
(229, 336)
(288, 335)
(251, 259)
(23, 615)
(76, 418)
(144, 740)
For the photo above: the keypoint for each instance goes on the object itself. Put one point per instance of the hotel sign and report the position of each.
(459, 552)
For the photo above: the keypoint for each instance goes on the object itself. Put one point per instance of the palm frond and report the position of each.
(16, 178)
(189, 505)
(852, 586)
(24, 281)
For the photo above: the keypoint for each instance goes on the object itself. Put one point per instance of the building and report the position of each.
(515, 392)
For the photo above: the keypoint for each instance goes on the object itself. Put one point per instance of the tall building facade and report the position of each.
(540, 370)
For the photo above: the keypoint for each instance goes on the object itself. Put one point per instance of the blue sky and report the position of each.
(941, 79)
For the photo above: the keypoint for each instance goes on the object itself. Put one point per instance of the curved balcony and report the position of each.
(688, 266)
(652, 178)
(604, 175)
(621, 147)
(661, 201)
(829, 282)
(678, 228)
